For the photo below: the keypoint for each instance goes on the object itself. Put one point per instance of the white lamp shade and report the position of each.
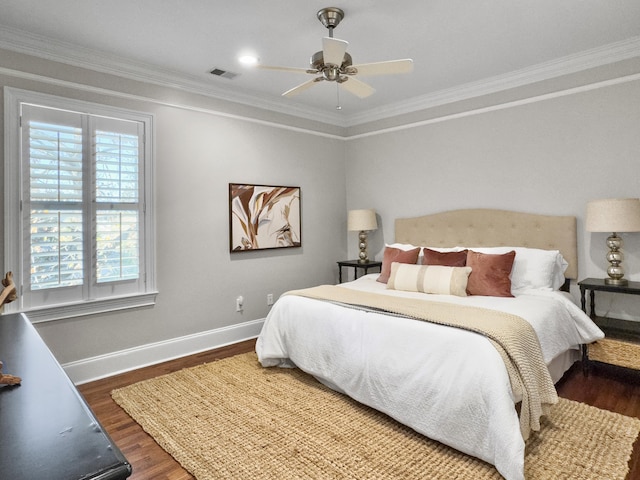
(360, 220)
(613, 215)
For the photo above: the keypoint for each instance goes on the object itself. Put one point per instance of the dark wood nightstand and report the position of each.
(621, 345)
(355, 264)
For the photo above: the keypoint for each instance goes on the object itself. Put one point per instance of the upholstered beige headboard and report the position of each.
(493, 228)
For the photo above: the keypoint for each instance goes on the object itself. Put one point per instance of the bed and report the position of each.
(450, 384)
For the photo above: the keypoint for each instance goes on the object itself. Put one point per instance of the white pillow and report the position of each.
(401, 246)
(533, 268)
(436, 279)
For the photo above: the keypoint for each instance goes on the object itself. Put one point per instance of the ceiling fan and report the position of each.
(334, 64)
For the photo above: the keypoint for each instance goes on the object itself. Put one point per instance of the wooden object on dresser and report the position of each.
(356, 265)
(8, 293)
(46, 428)
(621, 345)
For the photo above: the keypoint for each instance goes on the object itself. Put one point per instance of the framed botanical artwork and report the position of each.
(263, 217)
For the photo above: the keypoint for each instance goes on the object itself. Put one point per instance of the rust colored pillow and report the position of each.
(447, 259)
(490, 274)
(396, 255)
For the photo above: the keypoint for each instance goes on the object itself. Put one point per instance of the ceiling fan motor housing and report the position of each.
(330, 72)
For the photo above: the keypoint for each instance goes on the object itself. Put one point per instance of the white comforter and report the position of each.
(448, 384)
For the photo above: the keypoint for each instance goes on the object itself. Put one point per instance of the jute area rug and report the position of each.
(233, 419)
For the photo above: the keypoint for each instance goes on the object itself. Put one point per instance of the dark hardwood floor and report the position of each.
(606, 387)
(610, 388)
(148, 460)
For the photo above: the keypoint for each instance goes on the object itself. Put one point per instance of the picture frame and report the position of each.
(263, 217)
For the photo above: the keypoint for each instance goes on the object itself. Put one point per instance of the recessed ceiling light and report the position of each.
(248, 59)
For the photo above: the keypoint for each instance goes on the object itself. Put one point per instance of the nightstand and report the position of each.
(621, 345)
(355, 264)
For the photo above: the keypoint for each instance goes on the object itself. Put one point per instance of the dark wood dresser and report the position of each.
(47, 431)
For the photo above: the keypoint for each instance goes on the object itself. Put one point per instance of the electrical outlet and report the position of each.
(269, 299)
(239, 302)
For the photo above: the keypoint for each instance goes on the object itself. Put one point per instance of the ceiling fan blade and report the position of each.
(333, 50)
(302, 87)
(286, 69)
(385, 68)
(357, 87)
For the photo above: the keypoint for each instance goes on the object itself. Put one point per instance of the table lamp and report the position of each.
(362, 221)
(614, 215)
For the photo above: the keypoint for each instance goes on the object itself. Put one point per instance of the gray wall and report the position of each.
(550, 156)
(198, 153)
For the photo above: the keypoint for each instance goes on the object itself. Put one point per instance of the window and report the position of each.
(78, 218)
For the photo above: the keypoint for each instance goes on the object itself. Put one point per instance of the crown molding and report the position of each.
(500, 106)
(42, 47)
(38, 46)
(585, 60)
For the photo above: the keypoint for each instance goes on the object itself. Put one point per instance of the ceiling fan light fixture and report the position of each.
(331, 73)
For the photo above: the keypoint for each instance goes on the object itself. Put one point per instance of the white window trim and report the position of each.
(13, 260)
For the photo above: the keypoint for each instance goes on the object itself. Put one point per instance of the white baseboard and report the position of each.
(95, 368)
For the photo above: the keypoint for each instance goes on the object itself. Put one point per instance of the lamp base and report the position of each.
(615, 257)
(362, 244)
(620, 282)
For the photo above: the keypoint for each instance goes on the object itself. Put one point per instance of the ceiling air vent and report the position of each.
(223, 73)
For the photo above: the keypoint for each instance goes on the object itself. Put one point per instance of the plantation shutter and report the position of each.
(83, 184)
(53, 206)
(117, 199)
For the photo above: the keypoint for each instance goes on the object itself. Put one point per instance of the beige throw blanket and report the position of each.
(512, 336)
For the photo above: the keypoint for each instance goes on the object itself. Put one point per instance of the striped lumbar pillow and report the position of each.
(437, 279)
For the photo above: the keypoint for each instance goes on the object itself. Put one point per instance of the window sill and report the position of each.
(91, 307)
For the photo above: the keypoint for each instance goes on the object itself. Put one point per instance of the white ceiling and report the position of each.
(455, 44)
